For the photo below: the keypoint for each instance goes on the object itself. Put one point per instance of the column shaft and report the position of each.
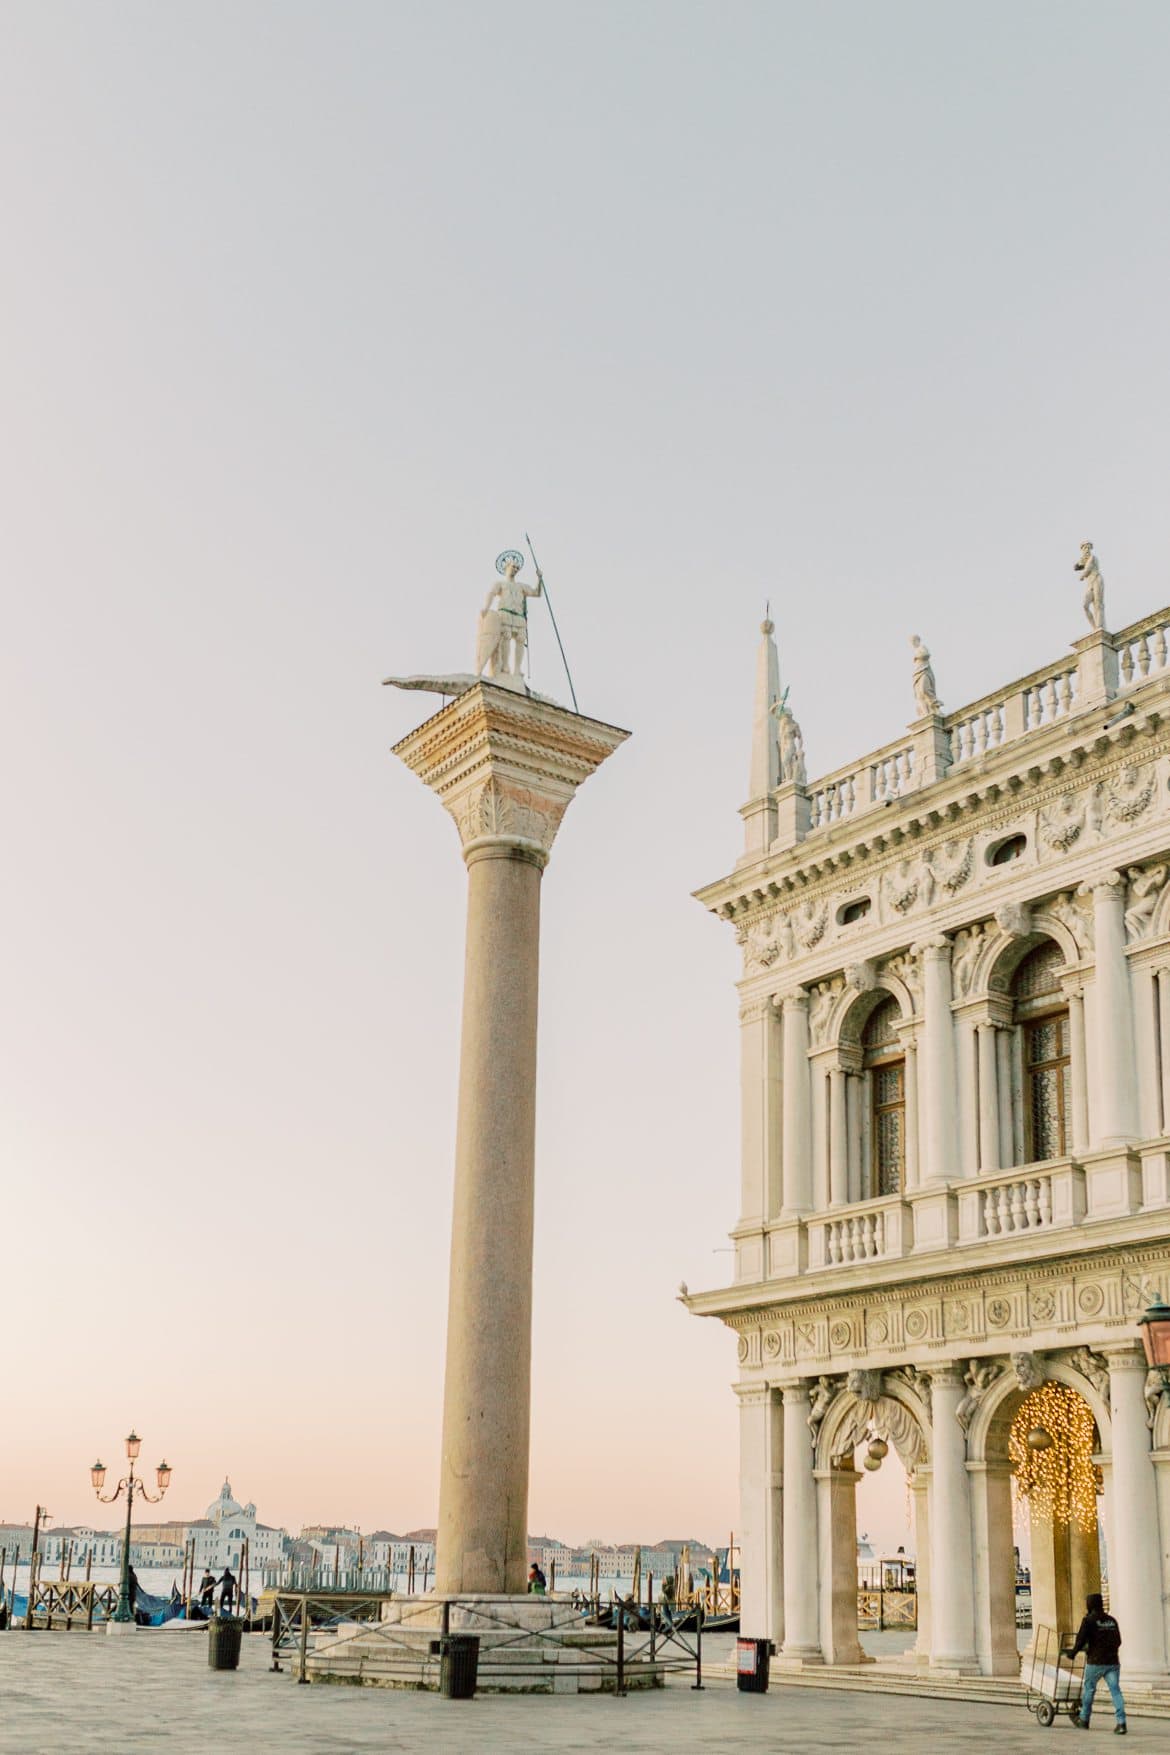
(952, 1641)
(760, 1090)
(1164, 1042)
(1003, 1088)
(760, 1501)
(801, 1630)
(988, 1101)
(838, 1139)
(1079, 1071)
(913, 1167)
(1144, 1024)
(1135, 1585)
(797, 1130)
(968, 1105)
(483, 1490)
(938, 1064)
(1114, 1059)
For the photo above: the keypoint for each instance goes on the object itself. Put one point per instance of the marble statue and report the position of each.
(979, 1377)
(793, 770)
(1094, 599)
(925, 694)
(501, 644)
(503, 629)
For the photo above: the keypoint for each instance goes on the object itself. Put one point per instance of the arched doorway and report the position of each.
(876, 1419)
(1035, 1449)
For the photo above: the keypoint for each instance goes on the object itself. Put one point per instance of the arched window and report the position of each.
(885, 1062)
(1041, 1011)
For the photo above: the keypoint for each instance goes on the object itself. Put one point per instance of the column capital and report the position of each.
(796, 1001)
(506, 766)
(794, 1392)
(1125, 1356)
(946, 1376)
(1107, 888)
(932, 949)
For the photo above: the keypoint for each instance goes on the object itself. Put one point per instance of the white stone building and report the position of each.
(955, 1193)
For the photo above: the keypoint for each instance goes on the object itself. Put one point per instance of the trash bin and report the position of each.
(224, 1638)
(752, 1665)
(458, 1665)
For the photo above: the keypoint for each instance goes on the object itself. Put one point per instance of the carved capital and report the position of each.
(505, 766)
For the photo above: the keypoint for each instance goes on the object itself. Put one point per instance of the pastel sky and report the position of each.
(308, 310)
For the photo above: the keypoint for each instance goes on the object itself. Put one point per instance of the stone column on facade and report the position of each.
(760, 1090)
(937, 1063)
(1078, 1071)
(838, 1138)
(966, 1059)
(506, 767)
(837, 1562)
(760, 1512)
(819, 1082)
(953, 1608)
(1004, 1082)
(988, 1100)
(920, 1499)
(1135, 1583)
(996, 1644)
(1141, 980)
(802, 1643)
(797, 1129)
(1113, 1063)
(913, 1163)
(853, 1135)
(1163, 980)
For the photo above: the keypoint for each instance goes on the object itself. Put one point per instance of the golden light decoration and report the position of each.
(1057, 1479)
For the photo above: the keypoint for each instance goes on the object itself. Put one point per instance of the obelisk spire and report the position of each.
(765, 770)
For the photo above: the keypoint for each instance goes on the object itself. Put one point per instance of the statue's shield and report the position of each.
(488, 640)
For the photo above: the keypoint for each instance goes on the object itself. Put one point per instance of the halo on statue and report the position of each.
(509, 554)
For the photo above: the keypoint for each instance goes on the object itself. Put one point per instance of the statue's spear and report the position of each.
(553, 619)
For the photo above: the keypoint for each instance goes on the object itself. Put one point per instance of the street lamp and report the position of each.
(1155, 1327)
(133, 1486)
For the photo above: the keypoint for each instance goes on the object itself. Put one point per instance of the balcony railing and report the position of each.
(981, 1211)
(1032, 704)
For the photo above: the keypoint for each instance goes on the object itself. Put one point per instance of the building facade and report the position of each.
(955, 1182)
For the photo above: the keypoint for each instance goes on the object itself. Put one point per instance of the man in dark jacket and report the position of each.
(1100, 1640)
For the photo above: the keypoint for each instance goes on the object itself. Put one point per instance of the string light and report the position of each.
(1059, 1480)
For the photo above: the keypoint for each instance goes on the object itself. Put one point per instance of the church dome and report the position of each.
(224, 1506)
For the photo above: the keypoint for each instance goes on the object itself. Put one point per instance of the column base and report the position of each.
(800, 1657)
(117, 1628)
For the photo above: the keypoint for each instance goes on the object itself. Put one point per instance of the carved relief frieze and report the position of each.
(1093, 1368)
(907, 886)
(809, 921)
(905, 968)
(1145, 888)
(979, 1376)
(968, 945)
(1130, 792)
(822, 1000)
(952, 863)
(1062, 822)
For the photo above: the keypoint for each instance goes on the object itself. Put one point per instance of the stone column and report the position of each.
(506, 767)
(1078, 1071)
(760, 1514)
(760, 1112)
(837, 1567)
(995, 1579)
(988, 1101)
(1115, 1089)
(797, 1129)
(1141, 979)
(838, 1139)
(1004, 1082)
(937, 1063)
(912, 1158)
(1135, 1583)
(853, 1133)
(952, 1644)
(920, 1497)
(802, 1641)
(966, 1053)
(1164, 1040)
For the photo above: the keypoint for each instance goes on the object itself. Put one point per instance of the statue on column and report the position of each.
(788, 733)
(1094, 599)
(503, 630)
(925, 694)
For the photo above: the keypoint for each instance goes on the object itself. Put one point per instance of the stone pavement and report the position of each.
(84, 1694)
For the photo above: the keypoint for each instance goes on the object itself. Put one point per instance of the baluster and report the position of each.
(1066, 692)
(1046, 1202)
(990, 1218)
(1160, 647)
(833, 1239)
(1005, 1209)
(879, 1234)
(997, 723)
(1018, 1220)
(1127, 661)
(850, 795)
(1144, 655)
(1050, 701)
(877, 783)
(1031, 1206)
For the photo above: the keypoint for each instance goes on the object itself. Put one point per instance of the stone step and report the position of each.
(985, 1690)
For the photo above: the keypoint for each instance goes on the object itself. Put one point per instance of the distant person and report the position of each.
(132, 1587)
(537, 1582)
(227, 1591)
(207, 1591)
(1100, 1640)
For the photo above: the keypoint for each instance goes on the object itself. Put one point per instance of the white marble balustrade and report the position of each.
(874, 1230)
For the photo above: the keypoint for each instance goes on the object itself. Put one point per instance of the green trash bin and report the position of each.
(458, 1665)
(224, 1637)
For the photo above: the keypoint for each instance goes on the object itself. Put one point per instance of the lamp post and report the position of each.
(132, 1485)
(1155, 1327)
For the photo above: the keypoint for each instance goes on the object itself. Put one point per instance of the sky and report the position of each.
(308, 311)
